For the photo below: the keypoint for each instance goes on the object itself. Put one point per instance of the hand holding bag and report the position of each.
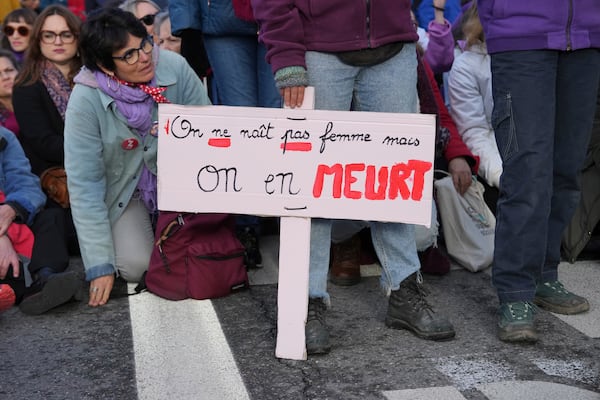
(468, 224)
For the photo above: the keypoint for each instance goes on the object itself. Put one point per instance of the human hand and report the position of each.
(8, 257)
(461, 174)
(7, 216)
(293, 96)
(100, 290)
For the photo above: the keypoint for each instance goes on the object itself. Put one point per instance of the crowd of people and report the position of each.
(80, 84)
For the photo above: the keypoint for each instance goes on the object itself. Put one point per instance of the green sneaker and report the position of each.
(515, 322)
(553, 296)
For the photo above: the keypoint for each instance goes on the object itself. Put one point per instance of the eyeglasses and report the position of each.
(66, 37)
(148, 19)
(21, 30)
(132, 56)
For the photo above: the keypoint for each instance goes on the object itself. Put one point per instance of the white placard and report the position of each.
(301, 163)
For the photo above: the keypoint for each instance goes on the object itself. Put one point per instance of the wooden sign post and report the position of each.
(296, 164)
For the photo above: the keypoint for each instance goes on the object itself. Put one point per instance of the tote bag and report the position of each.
(467, 224)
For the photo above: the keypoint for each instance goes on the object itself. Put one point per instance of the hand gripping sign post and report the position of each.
(296, 164)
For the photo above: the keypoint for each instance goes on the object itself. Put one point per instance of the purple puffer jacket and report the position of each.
(512, 25)
(289, 28)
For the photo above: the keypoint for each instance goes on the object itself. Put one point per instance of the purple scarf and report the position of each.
(136, 107)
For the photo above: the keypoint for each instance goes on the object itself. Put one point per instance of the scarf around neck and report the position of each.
(57, 86)
(136, 106)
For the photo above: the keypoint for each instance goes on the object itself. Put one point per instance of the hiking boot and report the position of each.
(7, 297)
(553, 297)
(515, 322)
(49, 291)
(345, 262)
(408, 309)
(316, 333)
(249, 239)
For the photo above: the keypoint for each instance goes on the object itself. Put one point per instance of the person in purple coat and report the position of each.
(359, 57)
(545, 62)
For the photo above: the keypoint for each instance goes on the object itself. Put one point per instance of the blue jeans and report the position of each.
(390, 86)
(544, 104)
(241, 75)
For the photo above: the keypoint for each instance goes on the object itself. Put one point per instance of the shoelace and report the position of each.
(557, 287)
(419, 300)
(519, 312)
(316, 311)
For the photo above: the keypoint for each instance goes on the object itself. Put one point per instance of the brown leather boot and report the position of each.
(345, 262)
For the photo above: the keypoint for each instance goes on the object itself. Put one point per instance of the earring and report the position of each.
(112, 77)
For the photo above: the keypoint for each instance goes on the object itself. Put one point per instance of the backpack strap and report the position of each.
(169, 230)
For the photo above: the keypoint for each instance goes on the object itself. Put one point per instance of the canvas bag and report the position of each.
(196, 256)
(467, 224)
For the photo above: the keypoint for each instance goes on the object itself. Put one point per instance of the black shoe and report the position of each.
(249, 239)
(316, 333)
(408, 309)
(54, 290)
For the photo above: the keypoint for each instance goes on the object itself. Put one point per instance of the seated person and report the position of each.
(162, 32)
(8, 72)
(21, 219)
(110, 152)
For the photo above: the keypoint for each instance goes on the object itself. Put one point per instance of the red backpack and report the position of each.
(196, 256)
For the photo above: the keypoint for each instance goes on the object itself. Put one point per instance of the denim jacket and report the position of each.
(19, 184)
(212, 17)
(102, 176)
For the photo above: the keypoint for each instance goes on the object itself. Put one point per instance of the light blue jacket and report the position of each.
(18, 183)
(102, 176)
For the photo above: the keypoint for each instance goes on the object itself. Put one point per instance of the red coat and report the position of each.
(455, 147)
(20, 235)
(77, 7)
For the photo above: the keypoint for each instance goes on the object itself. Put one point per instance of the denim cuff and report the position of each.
(291, 76)
(98, 271)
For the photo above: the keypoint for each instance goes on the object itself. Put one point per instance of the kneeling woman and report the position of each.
(111, 143)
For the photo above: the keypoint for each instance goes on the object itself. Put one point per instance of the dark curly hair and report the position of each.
(105, 31)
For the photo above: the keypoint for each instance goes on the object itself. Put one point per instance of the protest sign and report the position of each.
(303, 163)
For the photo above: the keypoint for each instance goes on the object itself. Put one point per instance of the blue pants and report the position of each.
(241, 75)
(544, 104)
(386, 87)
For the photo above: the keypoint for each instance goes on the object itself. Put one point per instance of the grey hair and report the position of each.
(158, 21)
(130, 5)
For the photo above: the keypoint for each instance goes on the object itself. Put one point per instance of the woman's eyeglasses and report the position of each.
(148, 19)
(66, 37)
(21, 30)
(132, 56)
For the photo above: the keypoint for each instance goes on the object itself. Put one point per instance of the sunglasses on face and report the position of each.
(10, 30)
(148, 19)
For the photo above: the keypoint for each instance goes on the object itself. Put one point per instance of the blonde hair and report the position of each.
(471, 26)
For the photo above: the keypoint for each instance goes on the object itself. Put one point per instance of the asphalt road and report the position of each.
(144, 347)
